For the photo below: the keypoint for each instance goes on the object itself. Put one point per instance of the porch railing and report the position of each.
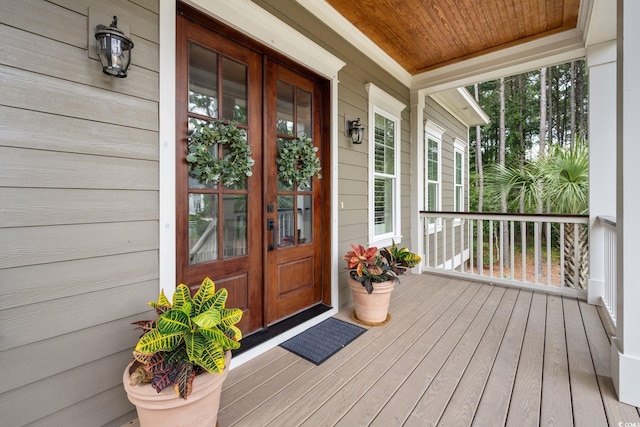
(609, 297)
(539, 251)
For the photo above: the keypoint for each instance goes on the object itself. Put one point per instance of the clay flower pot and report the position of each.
(373, 308)
(168, 409)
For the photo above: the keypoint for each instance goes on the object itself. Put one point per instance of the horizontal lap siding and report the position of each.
(78, 210)
(453, 129)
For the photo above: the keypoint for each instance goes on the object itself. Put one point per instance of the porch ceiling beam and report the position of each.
(543, 52)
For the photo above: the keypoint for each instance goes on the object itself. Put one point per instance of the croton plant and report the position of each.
(190, 336)
(368, 266)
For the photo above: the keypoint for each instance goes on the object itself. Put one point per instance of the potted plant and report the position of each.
(372, 277)
(187, 347)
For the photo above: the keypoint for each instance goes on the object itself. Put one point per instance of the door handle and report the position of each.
(271, 226)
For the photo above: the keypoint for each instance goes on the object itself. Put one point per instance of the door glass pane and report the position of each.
(285, 108)
(235, 225)
(384, 145)
(203, 228)
(283, 186)
(304, 113)
(286, 221)
(203, 81)
(234, 90)
(195, 182)
(383, 201)
(305, 215)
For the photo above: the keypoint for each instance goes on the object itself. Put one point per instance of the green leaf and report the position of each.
(212, 358)
(174, 320)
(218, 336)
(155, 341)
(204, 294)
(194, 343)
(230, 316)
(209, 319)
(181, 296)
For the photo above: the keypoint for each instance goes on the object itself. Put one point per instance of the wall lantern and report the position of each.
(356, 130)
(114, 49)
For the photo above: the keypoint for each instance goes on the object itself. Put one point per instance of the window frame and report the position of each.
(384, 105)
(433, 132)
(459, 148)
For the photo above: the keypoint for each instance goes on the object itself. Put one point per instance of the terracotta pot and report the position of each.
(372, 308)
(166, 408)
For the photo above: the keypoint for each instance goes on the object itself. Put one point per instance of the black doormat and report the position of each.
(323, 340)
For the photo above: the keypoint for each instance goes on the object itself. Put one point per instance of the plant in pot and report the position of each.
(187, 347)
(373, 275)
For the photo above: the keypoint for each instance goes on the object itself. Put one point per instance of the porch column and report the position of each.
(417, 168)
(625, 349)
(601, 63)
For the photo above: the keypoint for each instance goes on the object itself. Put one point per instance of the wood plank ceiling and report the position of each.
(425, 34)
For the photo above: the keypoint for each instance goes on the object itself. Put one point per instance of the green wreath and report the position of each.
(205, 165)
(297, 162)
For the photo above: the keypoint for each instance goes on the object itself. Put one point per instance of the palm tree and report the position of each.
(559, 181)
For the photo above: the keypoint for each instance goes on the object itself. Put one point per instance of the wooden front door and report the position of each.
(293, 212)
(259, 238)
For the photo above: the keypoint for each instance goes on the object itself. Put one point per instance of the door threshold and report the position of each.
(281, 327)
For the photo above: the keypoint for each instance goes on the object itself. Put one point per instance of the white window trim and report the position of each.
(380, 102)
(460, 147)
(434, 132)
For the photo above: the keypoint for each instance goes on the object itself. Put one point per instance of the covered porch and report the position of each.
(456, 352)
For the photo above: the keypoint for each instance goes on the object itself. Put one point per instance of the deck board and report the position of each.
(462, 406)
(556, 395)
(494, 402)
(454, 353)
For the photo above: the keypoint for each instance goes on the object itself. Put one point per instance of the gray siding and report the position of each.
(453, 129)
(78, 210)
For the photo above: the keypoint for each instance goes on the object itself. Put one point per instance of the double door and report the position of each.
(260, 238)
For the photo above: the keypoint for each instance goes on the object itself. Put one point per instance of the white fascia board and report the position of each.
(558, 48)
(338, 23)
(272, 32)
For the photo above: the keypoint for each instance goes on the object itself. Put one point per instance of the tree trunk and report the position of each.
(480, 173)
(572, 105)
(503, 195)
(541, 151)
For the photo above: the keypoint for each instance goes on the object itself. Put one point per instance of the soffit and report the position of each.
(422, 35)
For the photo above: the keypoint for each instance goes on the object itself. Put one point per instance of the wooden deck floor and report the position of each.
(455, 353)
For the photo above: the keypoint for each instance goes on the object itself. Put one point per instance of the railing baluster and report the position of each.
(471, 251)
(501, 249)
(562, 269)
(462, 224)
(427, 253)
(512, 264)
(536, 242)
(481, 245)
(453, 244)
(576, 256)
(523, 249)
(548, 253)
(490, 248)
(444, 244)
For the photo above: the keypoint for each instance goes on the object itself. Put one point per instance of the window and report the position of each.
(433, 170)
(384, 167)
(458, 191)
(384, 172)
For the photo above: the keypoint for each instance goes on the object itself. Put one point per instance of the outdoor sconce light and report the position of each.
(356, 130)
(114, 49)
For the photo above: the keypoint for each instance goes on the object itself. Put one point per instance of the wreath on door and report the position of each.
(298, 162)
(205, 165)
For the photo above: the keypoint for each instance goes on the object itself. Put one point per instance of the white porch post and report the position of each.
(601, 63)
(417, 166)
(625, 349)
